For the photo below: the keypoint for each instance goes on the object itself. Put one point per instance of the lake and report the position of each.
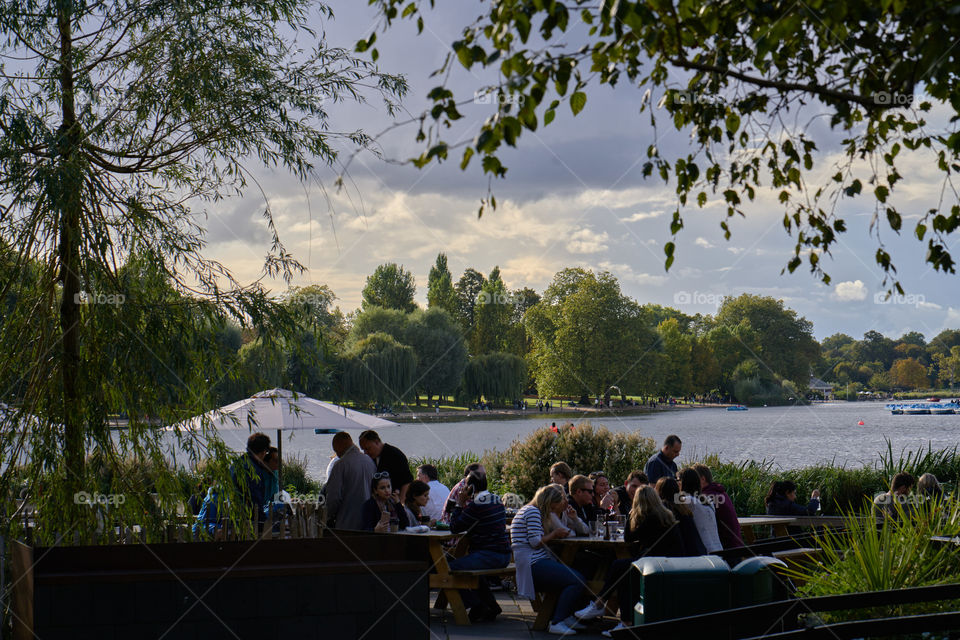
(788, 436)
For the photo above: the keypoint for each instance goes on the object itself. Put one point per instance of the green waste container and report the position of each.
(753, 581)
(667, 588)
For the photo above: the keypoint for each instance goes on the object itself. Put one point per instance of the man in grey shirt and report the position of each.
(348, 486)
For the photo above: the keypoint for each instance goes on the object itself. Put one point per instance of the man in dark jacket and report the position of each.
(389, 459)
(662, 464)
(625, 494)
(249, 475)
(728, 526)
(581, 498)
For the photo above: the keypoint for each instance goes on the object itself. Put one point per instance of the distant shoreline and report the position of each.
(425, 414)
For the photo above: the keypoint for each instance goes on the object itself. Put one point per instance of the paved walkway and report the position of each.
(514, 623)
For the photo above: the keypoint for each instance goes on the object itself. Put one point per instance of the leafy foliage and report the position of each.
(737, 78)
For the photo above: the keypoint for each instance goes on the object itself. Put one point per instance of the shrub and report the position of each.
(294, 474)
(526, 464)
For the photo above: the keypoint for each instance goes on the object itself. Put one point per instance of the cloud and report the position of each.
(626, 272)
(703, 242)
(850, 291)
(587, 241)
(644, 215)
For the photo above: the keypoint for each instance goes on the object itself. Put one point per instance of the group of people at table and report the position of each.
(667, 512)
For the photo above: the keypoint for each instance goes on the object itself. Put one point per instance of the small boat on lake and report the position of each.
(737, 407)
(924, 408)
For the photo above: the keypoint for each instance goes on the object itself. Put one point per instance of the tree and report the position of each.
(118, 119)
(948, 367)
(784, 343)
(468, 289)
(372, 320)
(441, 353)
(587, 337)
(491, 317)
(739, 79)
(909, 374)
(380, 369)
(875, 347)
(440, 291)
(678, 349)
(498, 377)
(390, 286)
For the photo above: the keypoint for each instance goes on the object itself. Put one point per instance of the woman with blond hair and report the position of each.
(653, 530)
(532, 528)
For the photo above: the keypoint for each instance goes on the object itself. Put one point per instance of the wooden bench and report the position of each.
(465, 579)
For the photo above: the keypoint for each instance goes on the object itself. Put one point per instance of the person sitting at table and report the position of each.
(418, 497)
(624, 495)
(894, 501)
(781, 500)
(380, 511)
(560, 474)
(704, 515)
(481, 515)
(601, 487)
(652, 530)
(669, 491)
(728, 524)
(531, 530)
(438, 491)
(457, 488)
(928, 487)
(569, 519)
(581, 498)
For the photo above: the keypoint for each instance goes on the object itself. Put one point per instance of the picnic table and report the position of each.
(749, 524)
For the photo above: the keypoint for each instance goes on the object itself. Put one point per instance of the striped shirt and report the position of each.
(526, 531)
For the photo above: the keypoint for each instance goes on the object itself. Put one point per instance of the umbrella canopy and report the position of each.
(279, 409)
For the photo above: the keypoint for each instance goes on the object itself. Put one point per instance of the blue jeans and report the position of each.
(479, 560)
(550, 575)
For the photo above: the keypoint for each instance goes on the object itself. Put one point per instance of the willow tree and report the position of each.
(380, 370)
(121, 121)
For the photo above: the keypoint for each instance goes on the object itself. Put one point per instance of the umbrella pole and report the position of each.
(280, 461)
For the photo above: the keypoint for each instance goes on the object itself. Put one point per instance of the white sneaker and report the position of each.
(590, 612)
(561, 629)
(609, 632)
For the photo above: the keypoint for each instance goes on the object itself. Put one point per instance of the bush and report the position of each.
(294, 474)
(449, 469)
(526, 464)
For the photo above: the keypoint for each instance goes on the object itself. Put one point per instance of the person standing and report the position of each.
(249, 475)
(389, 459)
(348, 486)
(438, 491)
(661, 464)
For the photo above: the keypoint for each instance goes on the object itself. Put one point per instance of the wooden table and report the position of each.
(749, 523)
(566, 551)
(448, 583)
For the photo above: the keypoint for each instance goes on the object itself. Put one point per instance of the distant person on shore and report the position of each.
(389, 459)
(636, 479)
(560, 473)
(454, 494)
(728, 526)
(438, 491)
(781, 500)
(894, 501)
(661, 464)
(348, 485)
(928, 487)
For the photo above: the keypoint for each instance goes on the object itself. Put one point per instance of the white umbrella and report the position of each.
(282, 410)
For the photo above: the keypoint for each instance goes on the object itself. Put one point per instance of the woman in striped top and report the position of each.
(537, 570)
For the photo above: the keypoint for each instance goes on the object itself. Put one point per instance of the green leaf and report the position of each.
(733, 122)
(577, 102)
(548, 116)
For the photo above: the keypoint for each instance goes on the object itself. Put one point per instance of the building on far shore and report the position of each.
(816, 384)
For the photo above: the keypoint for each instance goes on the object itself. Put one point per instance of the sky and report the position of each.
(573, 196)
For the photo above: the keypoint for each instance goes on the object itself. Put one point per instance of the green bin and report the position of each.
(753, 581)
(667, 588)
